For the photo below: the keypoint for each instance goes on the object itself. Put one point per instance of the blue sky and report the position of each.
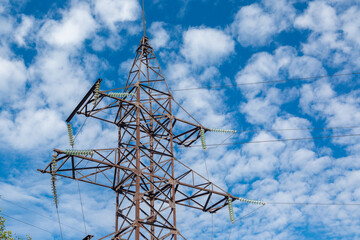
(51, 52)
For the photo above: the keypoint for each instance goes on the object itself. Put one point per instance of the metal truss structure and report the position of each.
(142, 170)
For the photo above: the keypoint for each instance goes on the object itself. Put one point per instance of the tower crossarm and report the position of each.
(120, 111)
(91, 166)
(195, 191)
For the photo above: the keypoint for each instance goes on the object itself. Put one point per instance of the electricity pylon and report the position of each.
(142, 170)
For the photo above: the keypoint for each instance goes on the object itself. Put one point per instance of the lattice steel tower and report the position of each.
(142, 170)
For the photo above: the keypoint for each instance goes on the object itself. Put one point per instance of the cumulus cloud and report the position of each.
(260, 110)
(23, 30)
(31, 128)
(283, 171)
(283, 63)
(72, 30)
(13, 79)
(6, 26)
(253, 26)
(321, 100)
(334, 33)
(256, 24)
(113, 11)
(160, 35)
(62, 76)
(351, 24)
(318, 17)
(204, 46)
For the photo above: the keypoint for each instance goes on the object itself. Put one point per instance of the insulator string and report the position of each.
(202, 136)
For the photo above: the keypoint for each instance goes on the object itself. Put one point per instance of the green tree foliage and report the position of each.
(7, 235)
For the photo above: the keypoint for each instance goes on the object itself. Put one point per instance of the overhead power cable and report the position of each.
(295, 129)
(82, 208)
(276, 140)
(281, 130)
(291, 203)
(58, 215)
(26, 223)
(314, 204)
(30, 210)
(242, 217)
(266, 82)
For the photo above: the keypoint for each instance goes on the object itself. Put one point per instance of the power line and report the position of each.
(58, 215)
(291, 203)
(82, 208)
(26, 223)
(315, 204)
(295, 129)
(248, 214)
(279, 130)
(276, 140)
(242, 217)
(265, 82)
(17, 205)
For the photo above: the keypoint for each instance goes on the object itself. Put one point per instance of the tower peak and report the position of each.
(143, 13)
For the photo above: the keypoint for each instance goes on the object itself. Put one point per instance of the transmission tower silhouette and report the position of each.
(142, 169)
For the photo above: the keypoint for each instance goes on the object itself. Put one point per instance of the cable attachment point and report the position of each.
(70, 133)
(202, 136)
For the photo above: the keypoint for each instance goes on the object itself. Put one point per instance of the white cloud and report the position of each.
(62, 77)
(319, 17)
(252, 26)
(291, 122)
(72, 30)
(351, 26)
(40, 210)
(6, 26)
(262, 110)
(282, 171)
(200, 103)
(204, 46)
(263, 100)
(116, 11)
(320, 100)
(13, 79)
(31, 128)
(264, 67)
(305, 66)
(114, 42)
(255, 25)
(22, 31)
(335, 31)
(3, 5)
(160, 36)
